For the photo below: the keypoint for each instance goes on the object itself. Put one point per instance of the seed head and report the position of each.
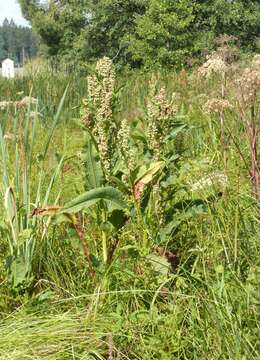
(97, 112)
(256, 60)
(5, 104)
(249, 84)
(160, 111)
(217, 106)
(214, 65)
(126, 150)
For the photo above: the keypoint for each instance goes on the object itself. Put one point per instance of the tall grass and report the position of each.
(137, 306)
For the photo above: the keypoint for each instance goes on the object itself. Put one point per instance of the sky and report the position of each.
(10, 9)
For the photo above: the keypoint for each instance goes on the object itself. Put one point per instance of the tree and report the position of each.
(3, 52)
(240, 18)
(111, 23)
(17, 42)
(163, 35)
(58, 22)
(140, 32)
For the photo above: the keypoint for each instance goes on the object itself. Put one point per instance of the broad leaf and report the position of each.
(109, 194)
(94, 172)
(176, 131)
(146, 178)
(55, 211)
(159, 263)
(149, 174)
(117, 218)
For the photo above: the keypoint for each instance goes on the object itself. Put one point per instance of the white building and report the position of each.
(8, 68)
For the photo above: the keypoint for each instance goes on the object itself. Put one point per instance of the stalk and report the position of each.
(254, 161)
(104, 239)
(222, 120)
(81, 234)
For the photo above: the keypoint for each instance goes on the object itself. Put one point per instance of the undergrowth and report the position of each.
(130, 220)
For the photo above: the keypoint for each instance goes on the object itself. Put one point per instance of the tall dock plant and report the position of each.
(115, 159)
(125, 165)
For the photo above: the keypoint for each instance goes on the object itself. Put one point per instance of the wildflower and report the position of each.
(215, 178)
(26, 101)
(5, 104)
(160, 111)
(217, 106)
(9, 136)
(97, 113)
(166, 109)
(125, 148)
(35, 114)
(94, 88)
(256, 60)
(104, 67)
(249, 84)
(214, 65)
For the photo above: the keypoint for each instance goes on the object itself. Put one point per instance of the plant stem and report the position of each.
(104, 239)
(86, 251)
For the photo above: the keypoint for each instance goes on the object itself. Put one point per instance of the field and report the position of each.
(129, 214)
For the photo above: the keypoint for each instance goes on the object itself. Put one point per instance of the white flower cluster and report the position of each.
(160, 111)
(214, 65)
(5, 104)
(213, 179)
(126, 150)
(217, 106)
(249, 83)
(97, 108)
(256, 60)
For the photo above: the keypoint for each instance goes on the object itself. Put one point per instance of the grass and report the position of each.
(136, 307)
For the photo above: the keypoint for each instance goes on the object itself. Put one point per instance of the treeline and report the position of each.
(151, 33)
(17, 42)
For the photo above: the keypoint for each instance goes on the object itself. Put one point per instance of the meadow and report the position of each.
(129, 222)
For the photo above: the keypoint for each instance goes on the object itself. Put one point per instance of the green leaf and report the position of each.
(117, 218)
(176, 131)
(4, 159)
(55, 122)
(12, 216)
(109, 194)
(159, 263)
(19, 269)
(139, 134)
(119, 184)
(94, 172)
(149, 174)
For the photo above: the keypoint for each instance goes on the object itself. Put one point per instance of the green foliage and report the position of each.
(17, 165)
(171, 31)
(239, 18)
(172, 269)
(163, 36)
(18, 42)
(141, 32)
(58, 23)
(111, 195)
(111, 23)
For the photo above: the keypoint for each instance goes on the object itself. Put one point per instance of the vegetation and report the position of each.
(130, 181)
(150, 33)
(17, 42)
(130, 213)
